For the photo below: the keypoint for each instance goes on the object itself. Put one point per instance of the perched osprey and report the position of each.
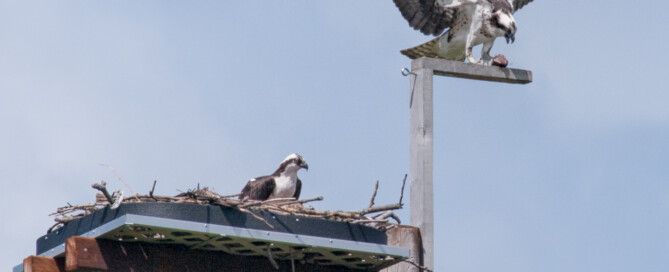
(283, 183)
(469, 23)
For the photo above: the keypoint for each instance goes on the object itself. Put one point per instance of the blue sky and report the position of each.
(568, 173)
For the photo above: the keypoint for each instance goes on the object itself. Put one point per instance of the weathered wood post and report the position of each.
(421, 159)
(421, 134)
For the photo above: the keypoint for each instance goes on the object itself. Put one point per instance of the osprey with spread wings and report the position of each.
(469, 23)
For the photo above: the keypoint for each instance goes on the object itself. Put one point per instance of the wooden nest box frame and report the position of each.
(191, 237)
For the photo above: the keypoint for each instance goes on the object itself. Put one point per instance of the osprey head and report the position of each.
(504, 21)
(291, 163)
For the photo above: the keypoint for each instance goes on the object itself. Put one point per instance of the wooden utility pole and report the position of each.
(422, 129)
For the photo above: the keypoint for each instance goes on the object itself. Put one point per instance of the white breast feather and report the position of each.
(285, 186)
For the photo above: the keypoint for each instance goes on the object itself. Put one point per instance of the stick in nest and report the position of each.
(102, 187)
(404, 182)
(382, 208)
(258, 203)
(300, 201)
(371, 201)
(153, 188)
(387, 214)
(205, 196)
(230, 196)
(120, 178)
(256, 217)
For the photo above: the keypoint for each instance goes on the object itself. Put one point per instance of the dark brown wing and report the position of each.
(425, 16)
(518, 4)
(503, 5)
(258, 189)
(298, 189)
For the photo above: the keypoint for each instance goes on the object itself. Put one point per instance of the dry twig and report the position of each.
(119, 178)
(102, 187)
(387, 214)
(395, 206)
(404, 182)
(204, 196)
(371, 201)
(153, 188)
(301, 201)
(269, 201)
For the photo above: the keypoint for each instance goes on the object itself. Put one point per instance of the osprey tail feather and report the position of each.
(428, 49)
(439, 48)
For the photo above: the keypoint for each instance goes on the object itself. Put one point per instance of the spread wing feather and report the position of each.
(258, 188)
(425, 16)
(432, 18)
(518, 4)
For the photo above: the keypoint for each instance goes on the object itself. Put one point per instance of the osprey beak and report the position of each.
(305, 166)
(511, 34)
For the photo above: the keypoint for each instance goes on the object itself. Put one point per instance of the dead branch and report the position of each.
(119, 178)
(54, 227)
(256, 217)
(387, 214)
(346, 216)
(404, 182)
(301, 201)
(396, 206)
(363, 221)
(153, 188)
(67, 219)
(371, 201)
(204, 196)
(258, 203)
(102, 187)
(70, 209)
(230, 196)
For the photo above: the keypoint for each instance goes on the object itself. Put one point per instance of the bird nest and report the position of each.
(377, 216)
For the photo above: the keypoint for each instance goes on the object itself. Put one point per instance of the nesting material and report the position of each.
(374, 216)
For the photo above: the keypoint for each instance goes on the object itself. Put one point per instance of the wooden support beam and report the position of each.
(421, 128)
(43, 264)
(83, 253)
(421, 160)
(409, 237)
(472, 71)
(89, 254)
